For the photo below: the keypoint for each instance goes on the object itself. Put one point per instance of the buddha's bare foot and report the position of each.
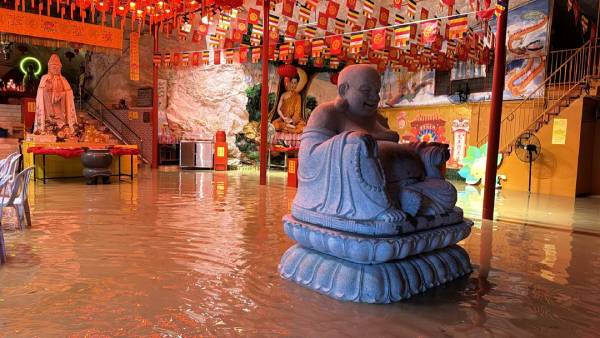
(410, 201)
(430, 208)
(392, 215)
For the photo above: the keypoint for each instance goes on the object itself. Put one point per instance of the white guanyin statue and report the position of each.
(54, 102)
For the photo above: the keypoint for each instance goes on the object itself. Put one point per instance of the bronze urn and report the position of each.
(96, 163)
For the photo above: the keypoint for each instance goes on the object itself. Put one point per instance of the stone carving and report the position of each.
(289, 108)
(55, 104)
(372, 249)
(373, 283)
(368, 177)
(366, 199)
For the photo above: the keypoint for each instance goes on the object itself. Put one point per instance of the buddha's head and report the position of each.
(54, 65)
(291, 84)
(358, 91)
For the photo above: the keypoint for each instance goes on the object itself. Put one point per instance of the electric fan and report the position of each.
(528, 149)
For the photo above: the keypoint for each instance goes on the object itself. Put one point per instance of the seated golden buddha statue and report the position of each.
(354, 175)
(289, 108)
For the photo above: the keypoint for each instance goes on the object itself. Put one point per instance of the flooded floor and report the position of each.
(196, 253)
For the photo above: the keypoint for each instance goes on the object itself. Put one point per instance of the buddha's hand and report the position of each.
(366, 142)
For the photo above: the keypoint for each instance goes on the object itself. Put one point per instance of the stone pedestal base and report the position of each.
(377, 283)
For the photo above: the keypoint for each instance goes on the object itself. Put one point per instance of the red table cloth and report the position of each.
(64, 152)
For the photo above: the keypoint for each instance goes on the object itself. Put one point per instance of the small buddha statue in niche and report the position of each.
(353, 172)
(54, 104)
(289, 108)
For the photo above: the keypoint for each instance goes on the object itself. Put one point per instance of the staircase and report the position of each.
(572, 72)
(97, 115)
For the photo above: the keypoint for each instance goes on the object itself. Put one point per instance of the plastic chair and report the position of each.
(14, 165)
(3, 182)
(5, 164)
(18, 197)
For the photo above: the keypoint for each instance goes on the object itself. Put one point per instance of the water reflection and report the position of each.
(183, 253)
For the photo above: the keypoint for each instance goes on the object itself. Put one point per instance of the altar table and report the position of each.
(67, 164)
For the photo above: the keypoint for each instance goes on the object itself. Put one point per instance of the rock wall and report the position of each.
(203, 100)
(110, 73)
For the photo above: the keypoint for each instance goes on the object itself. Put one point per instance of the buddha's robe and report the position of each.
(339, 181)
(291, 107)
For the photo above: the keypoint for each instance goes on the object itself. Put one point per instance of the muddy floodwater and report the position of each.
(196, 253)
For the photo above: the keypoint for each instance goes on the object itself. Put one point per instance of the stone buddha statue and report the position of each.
(54, 101)
(354, 176)
(289, 108)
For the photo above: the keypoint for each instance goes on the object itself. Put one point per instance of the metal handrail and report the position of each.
(98, 113)
(572, 71)
(112, 114)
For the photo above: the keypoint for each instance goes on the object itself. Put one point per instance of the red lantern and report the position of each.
(102, 6)
(333, 78)
(287, 71)
(230, 3)
(83, 4)
(120, 11)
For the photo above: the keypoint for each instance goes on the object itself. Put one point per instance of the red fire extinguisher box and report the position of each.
(221, 151)
(292, 173)
(28, 113)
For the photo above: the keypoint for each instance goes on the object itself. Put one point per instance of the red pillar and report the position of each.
(495, 117)
(154, 118)
(264, 95)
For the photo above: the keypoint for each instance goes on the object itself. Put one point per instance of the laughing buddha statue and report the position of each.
(355, 176)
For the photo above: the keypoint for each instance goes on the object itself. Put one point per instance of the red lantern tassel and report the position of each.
(93, 13)
(72, 10)
(103, 18)
(62, 12)
(48, 7)
(114, 13)
(40, 8)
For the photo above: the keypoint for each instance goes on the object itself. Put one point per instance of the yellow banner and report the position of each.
(41, 26)
(134, 56)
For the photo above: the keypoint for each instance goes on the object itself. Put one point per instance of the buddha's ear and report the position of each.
(342, 89)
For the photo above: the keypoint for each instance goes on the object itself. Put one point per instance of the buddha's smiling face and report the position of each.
(363, 93)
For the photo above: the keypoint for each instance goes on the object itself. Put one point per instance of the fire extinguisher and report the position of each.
(220, 151)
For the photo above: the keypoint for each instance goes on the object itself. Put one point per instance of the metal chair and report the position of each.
(18, 197)
(3, 183)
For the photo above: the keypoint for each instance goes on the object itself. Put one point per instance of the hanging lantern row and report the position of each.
(154, 10)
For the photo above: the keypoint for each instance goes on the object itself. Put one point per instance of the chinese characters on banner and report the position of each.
(134, 56)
